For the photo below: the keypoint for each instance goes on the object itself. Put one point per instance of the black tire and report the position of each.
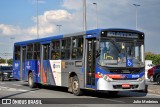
(30, 80)
(158, 80)
(76, 86)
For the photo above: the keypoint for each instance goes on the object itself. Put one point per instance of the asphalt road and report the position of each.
(20, 89)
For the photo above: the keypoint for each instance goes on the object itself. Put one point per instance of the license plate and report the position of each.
(125, 85)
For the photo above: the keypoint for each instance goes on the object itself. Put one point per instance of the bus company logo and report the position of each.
(56, 66)
(16, 65)
(28, 66)
(135, 76)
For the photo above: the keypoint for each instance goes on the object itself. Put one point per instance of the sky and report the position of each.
(18, 19)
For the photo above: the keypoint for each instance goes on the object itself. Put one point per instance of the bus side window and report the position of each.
(55, 52)
(30, 51)
(17, 53)
(36, 54)
(77, 48)
(65, 48)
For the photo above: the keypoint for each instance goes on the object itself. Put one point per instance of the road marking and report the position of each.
(17, 85)
(2, 83)
(11, 89)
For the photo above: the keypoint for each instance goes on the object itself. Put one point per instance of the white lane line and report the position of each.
(2, 83)
(17, 85)
(11, 89)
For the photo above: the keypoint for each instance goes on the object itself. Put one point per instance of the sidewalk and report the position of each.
(153, 87)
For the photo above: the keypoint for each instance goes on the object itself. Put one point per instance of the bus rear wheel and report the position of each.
(30, 80)
(76, 86)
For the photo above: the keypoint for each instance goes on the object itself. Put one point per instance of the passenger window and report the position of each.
(55, 53)
(65, 49)
(77, 48)
(36, 54)
(17, 53)
(30, 51)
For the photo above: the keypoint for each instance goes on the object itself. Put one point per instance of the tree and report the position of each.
(154, 57)
(10, 61)
(2, 60)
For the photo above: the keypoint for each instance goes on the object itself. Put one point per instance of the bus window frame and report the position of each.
(66, 48)
(54, 50)
(77, 37)
(17, 52)
(30, 51)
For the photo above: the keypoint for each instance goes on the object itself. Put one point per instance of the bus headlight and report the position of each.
(105, 77)
(141, 79)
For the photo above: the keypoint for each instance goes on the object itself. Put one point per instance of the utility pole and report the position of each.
(136, 5)
(96, 14)
(59, 28)
(37, 22)
(84, 15)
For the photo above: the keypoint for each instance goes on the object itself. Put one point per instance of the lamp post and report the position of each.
(96, 13)
(59, 28)
(12, 39)
(84, 15)
(136, 5)
(37, 22)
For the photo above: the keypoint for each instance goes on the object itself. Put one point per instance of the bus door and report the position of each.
(45, 53)
(22, 63)
(91, 60)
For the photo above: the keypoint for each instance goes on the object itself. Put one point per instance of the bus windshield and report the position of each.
(115, 52)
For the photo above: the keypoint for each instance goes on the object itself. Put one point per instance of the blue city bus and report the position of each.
(99, 59)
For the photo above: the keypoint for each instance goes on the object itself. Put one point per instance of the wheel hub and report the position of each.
(75, 85)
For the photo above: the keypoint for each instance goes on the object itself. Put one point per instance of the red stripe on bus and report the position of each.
(97, 76)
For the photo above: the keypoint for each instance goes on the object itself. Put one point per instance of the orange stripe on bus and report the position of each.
(97, 76)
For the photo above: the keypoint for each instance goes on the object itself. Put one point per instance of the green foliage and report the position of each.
(2, 60)
(154, 57)
(9, 61)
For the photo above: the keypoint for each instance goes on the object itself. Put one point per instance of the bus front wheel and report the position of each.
(30, 80)
(76, 86)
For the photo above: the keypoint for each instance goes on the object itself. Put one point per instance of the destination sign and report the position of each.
(123, 34)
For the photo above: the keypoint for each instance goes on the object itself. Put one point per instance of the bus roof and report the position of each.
(88, 32)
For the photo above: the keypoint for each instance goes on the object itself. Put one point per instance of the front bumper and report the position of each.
(7, 75)
(117, 85)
